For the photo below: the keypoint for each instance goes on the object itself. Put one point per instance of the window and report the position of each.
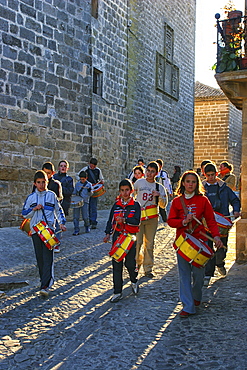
(167, 73)
(95, 5)
(97, 81)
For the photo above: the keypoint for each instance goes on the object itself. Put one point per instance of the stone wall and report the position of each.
(45, 92)
(217, 124)
(133, 118)
(49, 52)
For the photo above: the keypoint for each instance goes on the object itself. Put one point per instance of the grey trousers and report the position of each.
(44, 257)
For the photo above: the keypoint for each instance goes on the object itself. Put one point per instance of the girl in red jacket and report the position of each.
(189, 205)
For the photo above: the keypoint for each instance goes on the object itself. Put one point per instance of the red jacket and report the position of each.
(200, 207)
(132, 214)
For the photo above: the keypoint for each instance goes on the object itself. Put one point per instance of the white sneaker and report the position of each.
(135, 287)
(57, 249)
(116, 297)
(44, 292)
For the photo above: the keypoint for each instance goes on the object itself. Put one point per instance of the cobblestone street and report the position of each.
(78, 328)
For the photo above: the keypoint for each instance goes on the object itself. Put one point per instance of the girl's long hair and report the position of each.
(199, 190)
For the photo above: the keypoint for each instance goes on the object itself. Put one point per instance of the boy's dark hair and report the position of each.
(40, 175)
(126, 182)
(140, 160)
(93, 161)
(154, 165)
(48, 166)
(203, 163)
(210, 167)
(64, 160)
(83, 174)
(160, 162)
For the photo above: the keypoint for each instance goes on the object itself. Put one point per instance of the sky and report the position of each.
(206, 35)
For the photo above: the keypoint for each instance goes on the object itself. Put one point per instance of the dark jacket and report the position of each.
(68, 187)
(132, 214)
(227, 197)
(56, 186)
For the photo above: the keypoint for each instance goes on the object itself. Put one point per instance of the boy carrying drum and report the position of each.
(43, 205)
(124, 219)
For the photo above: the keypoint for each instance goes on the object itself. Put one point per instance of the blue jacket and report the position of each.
(227, 197)
(52, 209)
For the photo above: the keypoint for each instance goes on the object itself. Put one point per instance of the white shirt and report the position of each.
(143, 192)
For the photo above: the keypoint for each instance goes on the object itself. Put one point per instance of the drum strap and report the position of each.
(44, 216)
(157, 189)
(92, 175)
(82, 187)
(190, 230)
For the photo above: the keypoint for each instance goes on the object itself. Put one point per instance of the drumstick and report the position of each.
(204, 234)
(60, 231)
(209, 237)
(196, 219)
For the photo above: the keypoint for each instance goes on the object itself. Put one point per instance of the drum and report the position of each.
(122, 246)
(76, 201)
(224, 224)
(149, 212)
(46, 235)
(25, 226)
(193, 250)
(98, 190)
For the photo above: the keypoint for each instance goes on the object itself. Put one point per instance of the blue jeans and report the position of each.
(76, 216)
(93, 202)
(191, 280)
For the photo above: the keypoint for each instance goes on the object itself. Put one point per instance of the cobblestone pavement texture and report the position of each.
(78, 328)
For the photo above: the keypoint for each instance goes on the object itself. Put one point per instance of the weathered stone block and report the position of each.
(8, 174)
(37, 162)
(42, 152)
(27, 34)
(32, 25)
(17, 115)
(36, 50)
(47, 31)
(28, 10)
(41, 40)
(26, 175)
(33, 140)
(11, 40)
(5, 158)
(65, 83)
(18, 91)
(9, 52)
(26, 57)
(3, 112)
(26, 81)
(4, 26)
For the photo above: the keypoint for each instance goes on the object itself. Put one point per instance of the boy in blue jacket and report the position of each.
(83, 188)
(221, 197)
(43, 205)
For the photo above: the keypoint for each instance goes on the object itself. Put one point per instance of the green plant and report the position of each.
(228, 61)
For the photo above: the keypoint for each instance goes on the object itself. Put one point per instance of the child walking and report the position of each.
(83, 188)
(124, 217)
(189, 206)
(43, 205)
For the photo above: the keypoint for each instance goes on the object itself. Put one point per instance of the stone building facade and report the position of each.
(113, 79)
(218, 128)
